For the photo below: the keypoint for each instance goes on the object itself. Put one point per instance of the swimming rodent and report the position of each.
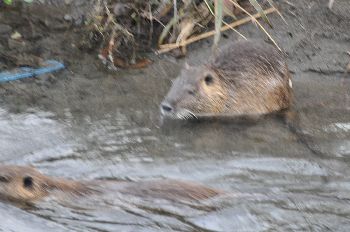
(27, 184)
(244, 78)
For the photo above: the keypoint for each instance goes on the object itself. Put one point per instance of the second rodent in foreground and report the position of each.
(244, 78)
(27, 184)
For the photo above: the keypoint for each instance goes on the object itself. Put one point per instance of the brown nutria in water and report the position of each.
(21, 183)
(28, 184)
(244, 78)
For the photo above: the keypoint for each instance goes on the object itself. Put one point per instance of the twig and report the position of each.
(168, 47)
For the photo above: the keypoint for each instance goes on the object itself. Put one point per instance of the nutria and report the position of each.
(244, 78)
(26, 184)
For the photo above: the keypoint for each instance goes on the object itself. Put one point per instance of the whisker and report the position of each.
(193, 115)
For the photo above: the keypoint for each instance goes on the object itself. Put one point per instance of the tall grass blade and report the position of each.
(260, 10)
(175, 13)
(278, 12)
(257, 22)
(218, 21)
(211, 11)
(330, 4)
(167, 29)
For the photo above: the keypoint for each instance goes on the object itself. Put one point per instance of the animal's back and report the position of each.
(256, 73)
(250, 57)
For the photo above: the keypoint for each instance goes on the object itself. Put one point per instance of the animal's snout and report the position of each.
(166, 108)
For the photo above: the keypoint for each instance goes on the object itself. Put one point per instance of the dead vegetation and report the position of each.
(121, 29)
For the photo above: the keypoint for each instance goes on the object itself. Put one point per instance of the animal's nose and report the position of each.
(166, 107)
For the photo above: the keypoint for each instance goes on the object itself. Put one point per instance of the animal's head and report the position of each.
(196, 92)
(22, 183)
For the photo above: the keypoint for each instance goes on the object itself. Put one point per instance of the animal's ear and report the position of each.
(187, 66)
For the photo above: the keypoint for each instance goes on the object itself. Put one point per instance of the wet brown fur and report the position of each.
(15, 186)
(249, 78)
(171, 190)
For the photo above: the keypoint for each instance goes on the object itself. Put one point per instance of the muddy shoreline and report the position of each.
(316, 41)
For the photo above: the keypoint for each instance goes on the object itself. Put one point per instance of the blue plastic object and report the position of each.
(26, 72)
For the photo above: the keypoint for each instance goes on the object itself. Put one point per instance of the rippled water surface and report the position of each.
(273, 181)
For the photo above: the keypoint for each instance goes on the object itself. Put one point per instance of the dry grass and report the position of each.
(120, 29)
(169, 47)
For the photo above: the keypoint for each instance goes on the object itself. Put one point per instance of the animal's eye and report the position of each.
(209, 79)
(28, 182)
(4, 179)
